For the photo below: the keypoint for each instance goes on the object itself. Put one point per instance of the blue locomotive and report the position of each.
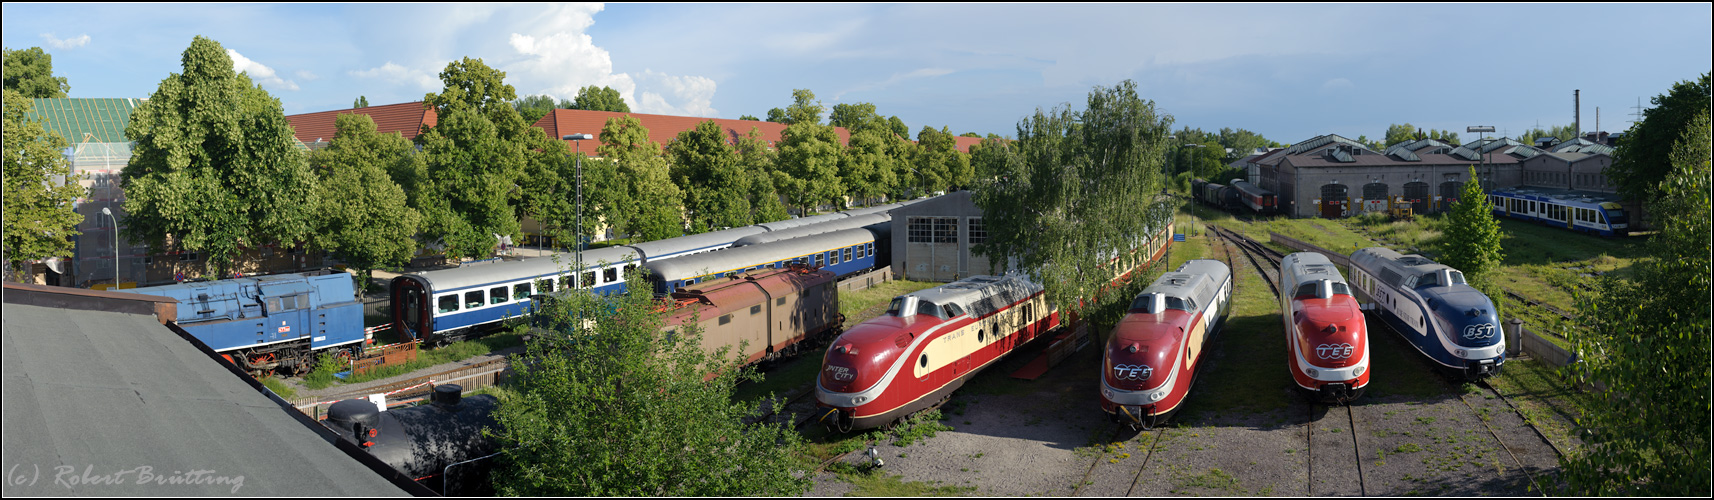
(1431, 306)
(1575, 210)
(271, 323)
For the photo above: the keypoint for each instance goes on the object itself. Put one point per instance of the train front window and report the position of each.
(1144, 302)
(1341, 289)
(929, 309)
(1456, 277)
(1429, 279)
(448, 303)
(1310, 290)
(1176, 303)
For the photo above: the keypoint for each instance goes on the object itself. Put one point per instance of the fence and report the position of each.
(1530, 342)
(866, 280)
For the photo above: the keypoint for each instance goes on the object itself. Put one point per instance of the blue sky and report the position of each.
(1287, 71)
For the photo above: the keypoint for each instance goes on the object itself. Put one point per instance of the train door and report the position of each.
(410, 307)
(1417, 194)
(1374, 197)
(1449, 191)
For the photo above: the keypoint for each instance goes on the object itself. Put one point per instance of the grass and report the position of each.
(874, 483)
(867, 303)
(279, 387)
(1545, 399)
(1245, 361)
(1214, 479)
(919, 427)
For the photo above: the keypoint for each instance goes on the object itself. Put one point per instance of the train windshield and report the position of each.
(1341, 289)
(1144, 302)
(1616, 216)
(1177, 303)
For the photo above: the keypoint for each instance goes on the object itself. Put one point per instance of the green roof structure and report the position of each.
(82, 120)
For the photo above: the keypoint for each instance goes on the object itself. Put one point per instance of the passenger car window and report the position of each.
(447, 304)
(473, 299)
(610, 275)
(497, 295)
(521, 291)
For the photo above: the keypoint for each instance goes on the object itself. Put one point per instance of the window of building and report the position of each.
(978, 231)
(755, 309)
(725, 319)
(932, 229)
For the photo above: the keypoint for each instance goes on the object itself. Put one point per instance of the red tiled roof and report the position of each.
(662, 128)
(964, 143)
(405, 118)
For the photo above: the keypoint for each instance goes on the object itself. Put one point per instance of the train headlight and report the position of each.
(861, 399)
(1313, 372)
(1359, 371)
(1157, 395)
(1458, 352)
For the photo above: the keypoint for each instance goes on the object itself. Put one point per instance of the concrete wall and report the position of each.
(1300, 189)
(949, 259)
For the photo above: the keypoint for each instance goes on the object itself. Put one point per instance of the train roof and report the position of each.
(509, 270)
(1198, 279)
(1307, 266)
(824, 227)
(972, 293)
(1247, 187)
(740, 257)
(732, 293)
(1386, 258)
(1565, 196)
(691, 243)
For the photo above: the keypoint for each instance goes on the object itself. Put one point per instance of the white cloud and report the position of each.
(304, 74)
(396, 74)
(259, 73)
(559, 58)
(69, 43)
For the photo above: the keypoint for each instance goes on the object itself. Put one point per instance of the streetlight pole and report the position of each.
(109, 213)
(575, 138)
(1483, 130)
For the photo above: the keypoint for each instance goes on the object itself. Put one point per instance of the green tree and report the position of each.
(1397, 133)
(214, 167)
(758, 162)
(898, 127)
(1472, 237)
(1564, 133)
(594, 98)
(361, 102)
(939, 161)
(988, 159)
(1641, 160)
(866, 169)
(1085, 174)
(622, 409)
(534, 107)
(365, 219)
(1647, 341)
(706, 167)
(750, 118)
(1205, 160)
(777, 115)
(30, 73)
(857, 117)
(475, 157)
(39, 190)
(808, 166)
(1242, 142)
(648, 204)
(804, 109)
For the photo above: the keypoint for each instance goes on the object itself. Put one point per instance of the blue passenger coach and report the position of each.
(270, 323)
(1597, 213)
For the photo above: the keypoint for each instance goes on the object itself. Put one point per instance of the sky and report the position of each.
(1290, 72)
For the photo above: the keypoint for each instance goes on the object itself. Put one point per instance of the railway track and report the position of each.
(1257, 253)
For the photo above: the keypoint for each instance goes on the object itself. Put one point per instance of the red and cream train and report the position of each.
(1326, 337)
(1152, 357)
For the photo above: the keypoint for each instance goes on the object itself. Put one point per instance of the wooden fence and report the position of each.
(867, 280)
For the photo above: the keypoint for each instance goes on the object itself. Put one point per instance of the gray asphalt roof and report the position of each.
(112, 404)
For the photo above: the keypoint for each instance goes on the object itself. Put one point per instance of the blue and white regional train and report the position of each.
(1574, 210)
(845, 252)
(1431, 306)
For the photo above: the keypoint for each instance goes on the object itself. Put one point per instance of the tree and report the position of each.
(1205, 160)
(939, 161)
(1565, 133)
(594, 98)
(648, 204)
(750, 118)
(857, 117)
(865, 168)
(476, 156)
(705, 166)
(758, 161)
(534, 107)
(214, 167)
(1091, 179)
(1641, 160)
(364, 218)
(361, 102)
(809, 166)
(898, 127)
(777, 115)
(1472, 236)
(30, 73)
(1647, 341)
(622, 409)
(39, 190)
(804, 109)
(1397, 133)
(1242, 142)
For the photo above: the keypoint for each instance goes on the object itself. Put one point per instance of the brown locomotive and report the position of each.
(772, 313)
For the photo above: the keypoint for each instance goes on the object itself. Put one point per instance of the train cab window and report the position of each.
(848, 255)
(610, 275)
(521, 291)
(1455, 278)
(1429, 279)
(1310, 290)
(497, 295)
(1144, 302)
(929, 309)
(1341, 289)
(1177, 303)
(953, 310)
(473, 299)
(447, 303)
